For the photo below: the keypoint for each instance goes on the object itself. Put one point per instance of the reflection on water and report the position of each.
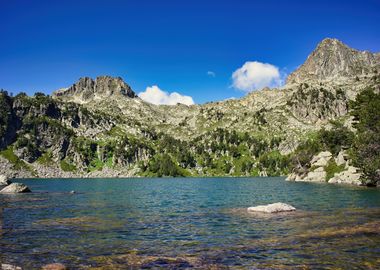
(189, 223)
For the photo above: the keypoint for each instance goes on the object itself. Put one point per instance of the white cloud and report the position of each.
(211, 74)
(255, 76)
(155, 95)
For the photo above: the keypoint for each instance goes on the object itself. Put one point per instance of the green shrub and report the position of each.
(13, 159)
(332, 168)
(163, 165)
(46, 159)
(366, 148)
(67, 167)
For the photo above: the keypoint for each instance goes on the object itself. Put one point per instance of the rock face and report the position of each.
(317, 173)
(87, 89)
(332, 59)
(350, 176)
(15, 188)
(321, 159)
(4, 181)
(272, 208)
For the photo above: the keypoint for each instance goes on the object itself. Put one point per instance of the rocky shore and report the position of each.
(329, 169)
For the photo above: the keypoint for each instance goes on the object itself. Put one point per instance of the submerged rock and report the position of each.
(272, 208)
(54, 266)
(15, 188)
(5, 266)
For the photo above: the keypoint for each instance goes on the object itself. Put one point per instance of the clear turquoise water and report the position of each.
(112, 223)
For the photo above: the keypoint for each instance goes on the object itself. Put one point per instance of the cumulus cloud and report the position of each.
(255, 76)
(155, 95)
(211, 74)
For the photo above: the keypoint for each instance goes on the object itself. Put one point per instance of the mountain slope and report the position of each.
(99, 127)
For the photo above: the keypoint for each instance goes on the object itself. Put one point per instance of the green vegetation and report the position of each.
(5, 112)
(46, 159)
(333, 140)
(274, 163)
(332, 168)
(13, 159)
(67, 167)
(163, 165)
(366, 147)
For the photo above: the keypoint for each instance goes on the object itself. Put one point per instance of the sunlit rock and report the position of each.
(350, 176)
(5, 266)
(272, 208)
(4, 181)
(321, 159)
(15, 188)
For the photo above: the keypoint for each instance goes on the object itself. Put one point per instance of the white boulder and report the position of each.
(318, 175)
(350, 176)
(15, 188)
(321, 159)
(272, 208)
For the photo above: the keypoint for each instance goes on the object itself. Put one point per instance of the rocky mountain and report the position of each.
(87, 89)
(333, 60)
(99, 127)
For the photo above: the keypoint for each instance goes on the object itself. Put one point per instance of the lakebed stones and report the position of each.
(5, 266)
(15, 188)
(272, 208)
(54, 266)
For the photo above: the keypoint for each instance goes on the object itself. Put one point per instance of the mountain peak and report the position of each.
(331, 42)
(87, 89)
(332, 59)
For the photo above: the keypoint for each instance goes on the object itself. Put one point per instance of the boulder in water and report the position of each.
(54, 266)
(272, 208)
(15, 188)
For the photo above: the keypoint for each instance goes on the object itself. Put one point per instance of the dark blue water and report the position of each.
(185, 223)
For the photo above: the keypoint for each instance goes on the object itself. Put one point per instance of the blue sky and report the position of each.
(46, 45)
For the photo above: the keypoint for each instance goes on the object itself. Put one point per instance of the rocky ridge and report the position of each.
(87, 89)
(334, 60)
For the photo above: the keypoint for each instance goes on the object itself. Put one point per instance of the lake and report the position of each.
(194, 222)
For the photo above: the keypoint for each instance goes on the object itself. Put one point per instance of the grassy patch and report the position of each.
(95, 165)
(67, 167)
(46, 159)
(12, 158)
(332, 168)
